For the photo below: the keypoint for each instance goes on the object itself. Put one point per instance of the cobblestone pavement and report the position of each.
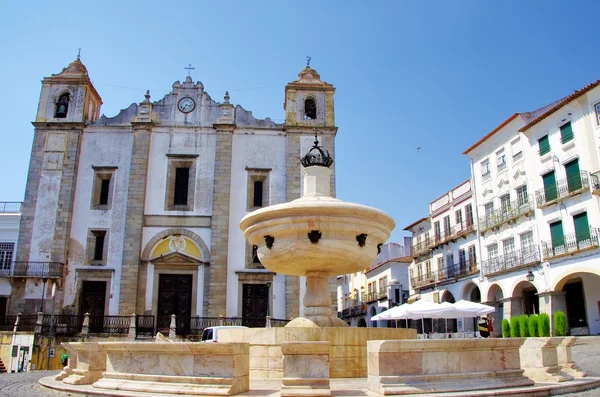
(586, 354)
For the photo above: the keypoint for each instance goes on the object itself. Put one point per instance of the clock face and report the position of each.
(186, 104)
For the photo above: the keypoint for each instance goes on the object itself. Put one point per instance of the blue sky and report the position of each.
(437, 73)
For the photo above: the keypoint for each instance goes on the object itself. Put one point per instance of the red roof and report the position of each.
(488, 136)
(559, 104)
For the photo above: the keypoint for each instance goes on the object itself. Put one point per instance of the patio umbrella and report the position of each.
(395, 313)
(425, 309)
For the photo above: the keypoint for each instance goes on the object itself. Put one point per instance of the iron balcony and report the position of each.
(31, 269)
(511, 261)
(562, 189)
(595, 179)
(570, 244)
(11, 207)
(515, 209)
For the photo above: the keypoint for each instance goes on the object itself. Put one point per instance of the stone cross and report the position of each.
(189, 69)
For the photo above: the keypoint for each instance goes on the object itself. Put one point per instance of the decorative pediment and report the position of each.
(502, 182)
(176, 258)
(486, 191)
(518, 172)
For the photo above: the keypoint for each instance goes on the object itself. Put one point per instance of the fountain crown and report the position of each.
(317, 156)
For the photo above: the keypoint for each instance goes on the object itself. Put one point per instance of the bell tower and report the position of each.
(69, 96)
(309, 101)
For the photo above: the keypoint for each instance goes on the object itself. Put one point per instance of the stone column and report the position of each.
(551, 302)
(512, 307)
(219, 244)
(136, 198)
(132, 327)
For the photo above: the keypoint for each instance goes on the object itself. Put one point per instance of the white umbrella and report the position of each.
(395, 313)
(464, 308)
(425, 309)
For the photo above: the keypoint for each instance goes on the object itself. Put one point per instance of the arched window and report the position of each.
(310, 109)
(62, 107)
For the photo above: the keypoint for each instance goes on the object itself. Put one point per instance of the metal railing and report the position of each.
(64, 324)
(562, 189)
(456, 231)
(144, 326)
(375, 296)
(455, 271)
(355, 310)
(31, 269)
(595, 180)
(109, 324)
(570, 243)
(7, 323)
(515, 209)
(512, 260)
(10, 206)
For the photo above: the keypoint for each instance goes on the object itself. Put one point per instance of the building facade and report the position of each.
(10, 218)
(384, 284)
(139, 213)
(535, 197)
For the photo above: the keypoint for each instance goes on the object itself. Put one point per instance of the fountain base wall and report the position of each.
(348, 347)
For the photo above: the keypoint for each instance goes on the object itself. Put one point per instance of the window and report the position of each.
(492, 250)
(485, 169)
(255, 254)
(489, 208)
(505, 202)
(522, 195)
(469, 214)
(310, 109)
(181, 177)
(420, 271)
(597, 107)
(258, 193)
(383, 285)
(103, 187)
(447, 225)
(501, 160)
(573, 176)
(566, 132)
(544, 145)
(526, 241)
(97, 246)
(556, 234)
(258, 188)
(462, 258)
(6, 255)
(508, 245)
(472, 256)
(458, 215)
(582, 228)
(182, 180)
(428, 266)
(550, 191)
(517, 149)
(440, 266)
(62, 107)
(438, 231)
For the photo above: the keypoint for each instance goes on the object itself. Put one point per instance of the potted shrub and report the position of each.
(514, 327)
(533, 326)
(505, 328)
(544, 325)
(560, 324)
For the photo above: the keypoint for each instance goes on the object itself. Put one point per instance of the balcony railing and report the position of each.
(455, 232)
(31, 269)
(448, 273)
(422, 247)
(425, 280)
(570, 244)
(515, 209)
(511, 261)
(570, 186)
(375, 296)
(13, 207)
(351, 311)
(109, 324)
(595, 179)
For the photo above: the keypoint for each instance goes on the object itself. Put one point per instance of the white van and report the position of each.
(211, 334)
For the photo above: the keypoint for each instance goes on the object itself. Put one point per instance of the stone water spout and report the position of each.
(317, 236)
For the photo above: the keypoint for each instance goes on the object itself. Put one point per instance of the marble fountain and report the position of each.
(316, 236)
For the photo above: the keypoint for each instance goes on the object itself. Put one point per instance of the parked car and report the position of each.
(211, 334)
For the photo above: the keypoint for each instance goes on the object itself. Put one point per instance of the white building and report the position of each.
(536, 190)
(364, 294)
(139, 213)
(10, 217)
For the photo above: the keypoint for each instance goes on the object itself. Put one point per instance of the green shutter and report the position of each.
(556, 233)
(566, 133)
(550, 186)
(544, 145)
(582, 227)
(573, 175)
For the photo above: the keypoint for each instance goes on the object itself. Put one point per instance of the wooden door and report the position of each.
(255, 299)
(93, 298)
(175, 297)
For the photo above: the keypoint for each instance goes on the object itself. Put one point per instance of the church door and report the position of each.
(255, 300)
(93, 296)
(174, 297)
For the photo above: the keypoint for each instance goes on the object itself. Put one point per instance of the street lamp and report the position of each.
(51, 326)
(530, 277)
(44, 280)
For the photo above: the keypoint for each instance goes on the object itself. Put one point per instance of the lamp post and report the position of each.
(51, 326)
(44, 280)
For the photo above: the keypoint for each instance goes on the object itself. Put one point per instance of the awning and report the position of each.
(413, 298)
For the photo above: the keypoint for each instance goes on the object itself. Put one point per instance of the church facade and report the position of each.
(139, 213)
